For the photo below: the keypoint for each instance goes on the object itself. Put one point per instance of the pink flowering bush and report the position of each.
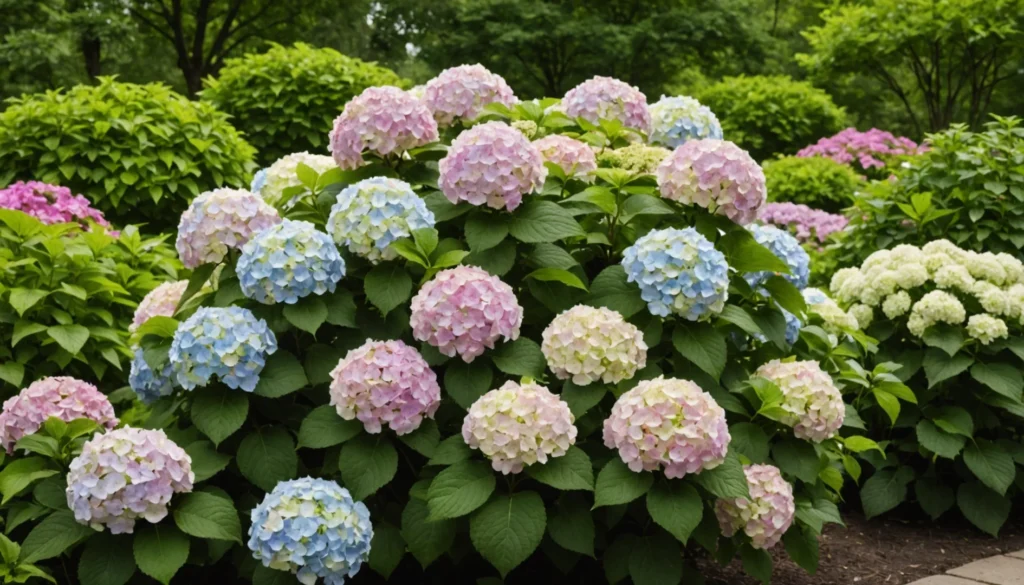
(766, 515)
(808, 225)
(575, 158)
(869, 152)
(716, 175)
(605, 98)
(382, 121)
(50, 203)
(460, 93)
(65, 398)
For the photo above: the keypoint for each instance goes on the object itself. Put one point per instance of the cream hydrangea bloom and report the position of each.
(589, 344)
(986, 328)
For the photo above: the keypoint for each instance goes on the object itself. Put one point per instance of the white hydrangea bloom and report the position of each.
(986, 328)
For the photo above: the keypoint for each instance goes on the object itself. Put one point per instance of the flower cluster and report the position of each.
(834, 319)
(811, 403)
(460, 93)
(287, 262)
(124, 475)
(230, 343)
(678, 271)
(464, 310)
(766, 515)
(220, 220)
(606, 98)
(588, 344)
(787, 249)
(668, 423)
(385, 383)
(159, 302)
(384, 121)
(716, 175)
(986, 328)
(62, 397)
(575, 158)
(527, 127)
(519, 425)
(492, 164)
(870, 149)
(313, 529)
(371, 214)
(808, 223)
(270, 183)
(148, 385)
(49, 203)
(674, 120)
(636, 158)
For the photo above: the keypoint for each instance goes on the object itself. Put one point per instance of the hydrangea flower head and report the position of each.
(636, 157)
(126, 474)
(518, 425)
(674, 120)
(870, 149)
(313, 529)
(807, 223)
(834, 318)
(716, 175)
(766, 515)
(460, 93)
(147, 384)
(679, 272)
(63, 397)
(492, 164)
(575, 158)
(464, 310)
(258, 181)
(271, 182)
(220, 220)
(385, 383)
(588, 344)
(227, 342)
(383, 121)
(607, 98)
(371, 214)
(786, 248)
(812, 404)
(986, 328)
(49, 203)
(670, 424)
(161, 301)
(287, 262)
(938, 306)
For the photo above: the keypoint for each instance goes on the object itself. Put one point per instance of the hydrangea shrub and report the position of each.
(872, 152)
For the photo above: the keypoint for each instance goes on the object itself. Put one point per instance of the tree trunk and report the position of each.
(91, 51)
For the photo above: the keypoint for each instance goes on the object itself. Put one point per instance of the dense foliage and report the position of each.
(817, 182)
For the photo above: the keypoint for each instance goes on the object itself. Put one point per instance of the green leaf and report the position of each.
(424, 439)
(521, 357)
(610, 289)
(989, 463)
(106, 560)
(218, 411)
(675, 506)
(744, 254)
(939, 367)
(889, 403)
(797, 458)
(885, 490)
(387, 286)
(323, 428)
(21, 473)
(205, 515)
(617, 484)
(426, 540)
(386, 549)
(267, 456)
(572, 471)
(638, 205)
(508, 529)
(55, 534)
(70, 337)
(308, 314)
(600, 197)
(426, 240)
(196, 282)
(802, 547)
(727, 480)
(160, 551)
(23, 299)
(543, 221)
(206, 461)
(557, 275)
(757, 563)
(1004, 379)
(465, 383)
(935, 498)
(656, 560)
(750, 441)
(498, 260)
(282, 375)
(786, 295)
(460, 489)
(740, 318)
(948, 338)
(582, 398)
(267, 576)
(450, 451)
(703, 345)
(983, 507)
(485, 230)
(367, 463)
(939, 441)
(341, 308)
(571, 526)
(955, 420)
(13, 373)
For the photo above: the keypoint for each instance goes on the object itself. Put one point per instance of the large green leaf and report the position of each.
(572, 471)
(1004, 379)
(70, 337)
(450, 451)
(675, 506)
(885, 490)
(106, 560)
(282, 375)
(521, 357)
(386, 549)
(571, 526)
(611, 289)
(802, 547)
(308, 314)
(744, 254)
(750, 440)
(797, 458)
(991, 464)
(548, 274)
(427, 540)
(582, 398)
(508, 529)
(934, 497)
(367, 463)
(217, 411)
(983, 507)
(21, 473)
(618, 484)
(465, 383)
(939, 367)
(727, 480)
(703, 345)
(543, 221)
(323, 428)
(387, 286)
(341, 308)
(656, 560)
(160, 551)
(460, 489)
(55, 534)
(267, 456)
(939, 441)
(23, 299)
(786, 294)
(206, 461)
(485, 230)
(206, 515)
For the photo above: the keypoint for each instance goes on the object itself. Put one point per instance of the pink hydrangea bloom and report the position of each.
(385, 383)
(62, 397)
(49, 203)
(766, 515)
(811, 403)
(382, 120)
(607, 98)
(464, 310)
(668, 423)
(219, 220)
(460, 93)
(575, 158)
(868, 149)
(716, 175)
(807, 223)
(492, 164)
(161, 301)
(124, 475)
(519, 425)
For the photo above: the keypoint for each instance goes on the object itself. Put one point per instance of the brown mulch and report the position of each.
(884, 551)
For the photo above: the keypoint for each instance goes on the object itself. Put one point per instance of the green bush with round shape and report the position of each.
(140, 153)
(817, 182)
(769, 115)
(286, 99)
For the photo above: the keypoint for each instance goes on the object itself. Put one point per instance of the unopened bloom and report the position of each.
(811, 403)
(606, 98)
(674, 120)
(370, 215)
(527, 127)
(148, 385)
(161, 301)
(460, 93)
(588, 344)
(287, 262)
(62, 397)
(270, 183)
(384, 121)
(519, 425)
(229, 343)
(575, 158)
(636, 158)
(716, 175)
(786, 248)
(766, 515)
(986, 328)
(220, 220)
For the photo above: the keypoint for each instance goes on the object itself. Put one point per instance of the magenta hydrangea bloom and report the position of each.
(869, 149)
(716, 175)
(766, 515)
(670, 424)
(464, 310)
(50, 203)
(576, 159)
(806, 223)
(220, 220)
(124, 475)
(460, 93)
(492, 164)
(63, 397)
(381, 120)
(385, 383)
(161, 301)
(607, 98)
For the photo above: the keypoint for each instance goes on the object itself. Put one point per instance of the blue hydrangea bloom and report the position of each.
(788, 249)
(813, 296)
(149, 385)
(313, 529)
(678, 271)
(371, 214)
(674, 120)
(227, 342)
(258, 181)
(288, 261)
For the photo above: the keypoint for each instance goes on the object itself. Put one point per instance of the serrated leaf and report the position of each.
(282, 375)
(521, 357)
(727, 480)
(703, 345)
(611, 289)
(465, 383)
(460, 489)
(485, 230)
(206, 461)
(885, 490)
(939, 367)
(565, 277)
(426, 540)
(797, 458)
(106, 560)
(572, 471)
(323, 428)
(160, 551)
(1003, 379)
(508, 529)
(938, 441)
(70, 337)
(205, 515)
(655, 560)
(543, 221)
(989, 463)
(218, 411)
(386, 549)
(983, 507)
(618, 484)
(387, 286)
(675, 506)
(267, 456)
(571, 526)
(55, 534)
(308, 314)
(367, 463)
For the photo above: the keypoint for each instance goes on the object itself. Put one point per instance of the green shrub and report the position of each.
(769, 115)
(817, 182)
(286, 99)
(140, 153)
